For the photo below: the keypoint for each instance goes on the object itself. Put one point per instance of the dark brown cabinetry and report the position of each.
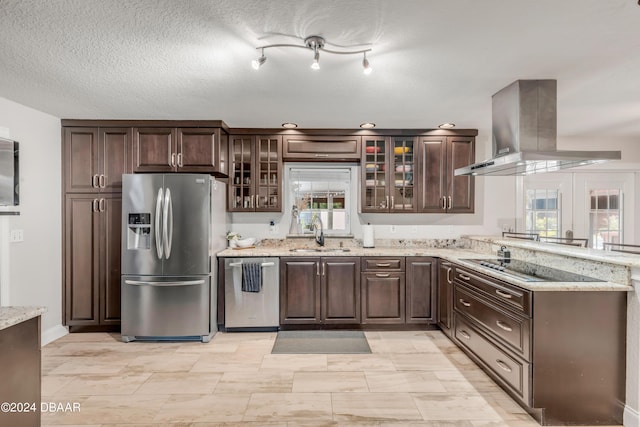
(92, 259)
(383, 290)
(165, 149)
(440, 190)
(560, 354)
(315, 290)
(255, 174)
(445, 297)
(20, 359)
(388, 171)
(321, 148)
(421, 277)
(95, 159)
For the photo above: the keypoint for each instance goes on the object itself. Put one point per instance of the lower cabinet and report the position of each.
(315, 290)
(92, 259)
(560, 354)
(357, 290)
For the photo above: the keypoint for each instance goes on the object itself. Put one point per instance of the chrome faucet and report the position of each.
(316, 226)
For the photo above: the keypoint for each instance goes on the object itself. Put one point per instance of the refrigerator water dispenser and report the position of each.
(139, 233)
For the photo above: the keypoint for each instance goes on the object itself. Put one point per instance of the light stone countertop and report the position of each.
(10, 316)
(456, 255)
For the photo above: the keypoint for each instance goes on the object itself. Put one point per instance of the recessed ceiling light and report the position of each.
(289, 125)
(368, 125)
(447, 126)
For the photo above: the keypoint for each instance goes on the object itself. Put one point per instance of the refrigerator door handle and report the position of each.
(167, 226)
(159, 250)
(178, 283)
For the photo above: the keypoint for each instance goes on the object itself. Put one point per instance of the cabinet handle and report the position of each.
(101, 205)
(387, 200)
(449, 203)
(503, 294)
(94, 205)
(383, 274)
(463, 277)
(444, 203)
(324, 265)
(449, 276)
(503, 365)
(102, 181)
(393, 203)
(465, 335)
(173, 160)
(180, 160)
(252, 200)
(383, 264)
(317, 268)
(504, 326)
(322, 155)
(94, 181)
(465, 303)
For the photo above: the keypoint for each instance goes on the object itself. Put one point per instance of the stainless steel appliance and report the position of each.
(173, 224)
(524, 119)
(529, 272)
(9, 172)
(251, 310)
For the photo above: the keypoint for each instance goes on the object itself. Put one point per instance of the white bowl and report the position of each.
(246, 242)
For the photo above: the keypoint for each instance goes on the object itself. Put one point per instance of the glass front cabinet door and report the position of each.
(255, 174)
(387, 174)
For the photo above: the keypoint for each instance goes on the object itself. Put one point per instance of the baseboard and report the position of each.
(53, 334)
(631, 417)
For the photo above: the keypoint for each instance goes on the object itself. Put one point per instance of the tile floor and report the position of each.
(416, 378)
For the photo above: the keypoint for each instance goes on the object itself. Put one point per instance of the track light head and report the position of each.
(257, 63)
(365, 64)
(316, 58)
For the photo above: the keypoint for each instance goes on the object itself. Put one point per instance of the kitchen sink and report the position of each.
(303, 250)
(336, 250)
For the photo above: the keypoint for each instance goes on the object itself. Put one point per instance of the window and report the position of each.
(322, 193)
(605, 217)
(542, 212)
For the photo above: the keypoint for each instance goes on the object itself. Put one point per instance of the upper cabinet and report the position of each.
(440, 190)
(185, 149)
(95, 158)
(321, 148)
(255, 173)
(388, 168)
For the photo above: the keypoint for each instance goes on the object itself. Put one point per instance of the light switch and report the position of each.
(16, 236)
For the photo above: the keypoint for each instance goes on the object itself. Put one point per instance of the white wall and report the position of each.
(35, 270)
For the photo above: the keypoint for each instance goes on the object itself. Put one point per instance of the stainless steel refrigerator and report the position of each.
(173, 225)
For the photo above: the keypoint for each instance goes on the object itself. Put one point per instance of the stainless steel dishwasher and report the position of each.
(252, 310)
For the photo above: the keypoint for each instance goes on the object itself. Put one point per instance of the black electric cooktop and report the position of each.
(529, 272)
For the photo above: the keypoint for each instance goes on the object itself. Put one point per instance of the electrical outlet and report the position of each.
(273, 228)
(392, 229)
(16, 236)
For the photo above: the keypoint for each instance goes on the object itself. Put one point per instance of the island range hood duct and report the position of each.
(524, 134)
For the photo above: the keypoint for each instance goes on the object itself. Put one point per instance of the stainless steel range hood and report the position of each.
(524, 134)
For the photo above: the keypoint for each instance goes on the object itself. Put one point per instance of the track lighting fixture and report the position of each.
(316, 44)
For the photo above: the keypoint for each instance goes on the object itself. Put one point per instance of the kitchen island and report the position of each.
(20, 361)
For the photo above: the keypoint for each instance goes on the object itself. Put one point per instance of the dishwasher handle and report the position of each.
(264, 264)
(177, 283)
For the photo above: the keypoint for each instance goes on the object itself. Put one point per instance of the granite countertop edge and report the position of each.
(456, 255)
(12, 315)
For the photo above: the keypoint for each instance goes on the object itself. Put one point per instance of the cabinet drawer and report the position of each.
(382, 263)
(505, 293)
(512, 330)
(509, 371)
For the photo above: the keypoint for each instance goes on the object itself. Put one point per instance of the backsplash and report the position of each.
(357, 243)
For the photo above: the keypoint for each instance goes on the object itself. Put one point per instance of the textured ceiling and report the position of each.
(434, 60)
